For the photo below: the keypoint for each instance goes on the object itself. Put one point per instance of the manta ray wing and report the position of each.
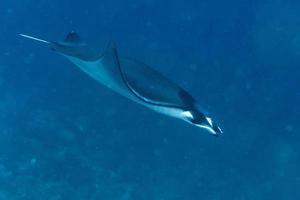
(153, 87)
(147, 84)
(128, 75)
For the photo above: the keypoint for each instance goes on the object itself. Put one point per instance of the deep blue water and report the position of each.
(63, 136)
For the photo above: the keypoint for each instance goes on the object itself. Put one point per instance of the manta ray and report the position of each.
(132, 79)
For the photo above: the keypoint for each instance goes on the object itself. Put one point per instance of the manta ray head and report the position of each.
(201, 120)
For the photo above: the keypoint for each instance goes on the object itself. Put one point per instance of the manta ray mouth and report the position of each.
(200, 120)
(213, 131)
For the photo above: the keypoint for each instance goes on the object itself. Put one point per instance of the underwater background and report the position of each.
(64, 136)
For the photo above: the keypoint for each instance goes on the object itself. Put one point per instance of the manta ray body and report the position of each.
(132, 79)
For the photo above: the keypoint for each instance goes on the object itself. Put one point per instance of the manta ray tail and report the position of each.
(34, 38)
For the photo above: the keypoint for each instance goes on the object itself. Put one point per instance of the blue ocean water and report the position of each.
(63, 136)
